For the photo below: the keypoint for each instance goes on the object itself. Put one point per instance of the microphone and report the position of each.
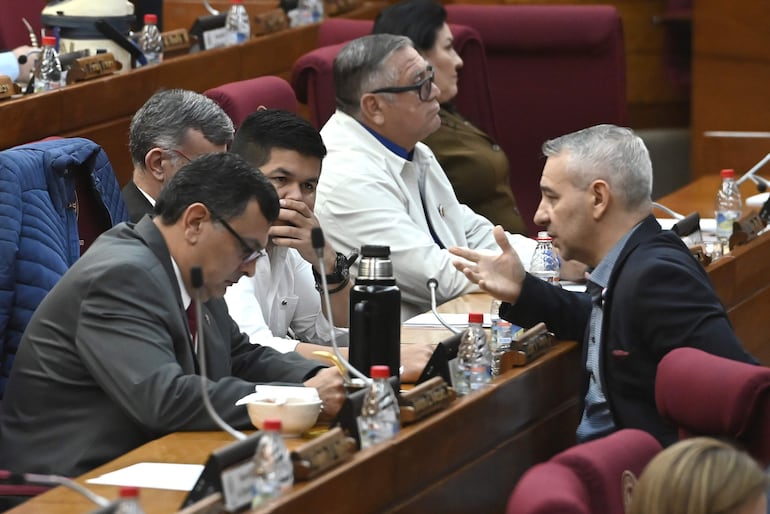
(762, 184)
(668, 211)
(318, 241)
(432, 285)
(53, 481)
(196, 280)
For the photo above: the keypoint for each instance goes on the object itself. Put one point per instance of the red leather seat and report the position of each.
(704, 394)
(13, 33)
(584, 479)
(313, 81)
(552, 69)
(241, 98)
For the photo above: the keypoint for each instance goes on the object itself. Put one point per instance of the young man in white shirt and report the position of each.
(281, 305)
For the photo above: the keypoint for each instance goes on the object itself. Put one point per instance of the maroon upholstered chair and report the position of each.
(586, 478)
(13, 33)
(703, 394)
(552, 70)
(313, 80)
(239, 99)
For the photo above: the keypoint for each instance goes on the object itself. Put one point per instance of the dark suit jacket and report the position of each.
(106, 365)
(136, 203)
(658, 298)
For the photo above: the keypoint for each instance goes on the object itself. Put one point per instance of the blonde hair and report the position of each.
(698, 476)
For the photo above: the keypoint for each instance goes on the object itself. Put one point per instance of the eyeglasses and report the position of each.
(250, 254)
(179, 153)
(423, 88)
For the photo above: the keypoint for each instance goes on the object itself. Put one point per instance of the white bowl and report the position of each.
(297, 407)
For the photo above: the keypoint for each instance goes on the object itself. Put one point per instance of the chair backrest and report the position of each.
(552, 70)
(313, 80)
(586, 478)
(241, 98)
(703, 394)
(13, 33)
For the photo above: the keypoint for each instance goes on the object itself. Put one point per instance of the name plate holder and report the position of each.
(95, 66)
(746, 230)
(425, 399)
(529, 346)
(176, 42)
(7, 87)
(269, 22)
(322, 453)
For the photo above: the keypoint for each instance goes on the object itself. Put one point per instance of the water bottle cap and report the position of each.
(544, 236)
(129, 491)
(475, 317)
(49, 40)
(379, 371)
(271, 424)
(236, 2)
(727, 173)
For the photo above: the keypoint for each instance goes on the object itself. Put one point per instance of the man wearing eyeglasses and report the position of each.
(380, 185)
(109, 360)
(173, 127)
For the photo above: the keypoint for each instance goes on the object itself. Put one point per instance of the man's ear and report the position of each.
(600, 195)
(153, 163)
(371, 109)
(193, 219)
(627, 484)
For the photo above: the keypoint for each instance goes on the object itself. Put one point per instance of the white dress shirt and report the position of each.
(279, 302)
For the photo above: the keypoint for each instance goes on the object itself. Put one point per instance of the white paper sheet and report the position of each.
(428, 319)
(156, 475)
(708, 225)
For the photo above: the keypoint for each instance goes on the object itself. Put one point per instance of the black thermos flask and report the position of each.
(375, 313)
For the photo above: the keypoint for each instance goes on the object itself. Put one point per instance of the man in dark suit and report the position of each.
(647, 294)
(172, 128)
(108, 361)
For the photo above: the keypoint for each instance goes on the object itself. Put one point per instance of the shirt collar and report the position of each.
(186, 300)
(390, 145)
(149, 198)
(601, 274)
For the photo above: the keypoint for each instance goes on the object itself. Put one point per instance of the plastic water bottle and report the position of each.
(545, 262)
(727, 208)
(237, 23)
(129, 501)
(314, 9)
(380, 414)
(273, 471)
(49, 76)
(150, 41)
(502, 344)
(474, 359)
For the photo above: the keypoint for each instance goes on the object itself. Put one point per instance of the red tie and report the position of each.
(192, 322)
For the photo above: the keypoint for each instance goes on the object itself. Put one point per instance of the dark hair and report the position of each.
(224, 182)
(360, 67)
(419, 20)
(163, 121)
(266, 129)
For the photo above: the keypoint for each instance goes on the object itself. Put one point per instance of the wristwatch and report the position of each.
(340, 274)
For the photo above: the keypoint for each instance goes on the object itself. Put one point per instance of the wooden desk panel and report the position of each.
(464, 459)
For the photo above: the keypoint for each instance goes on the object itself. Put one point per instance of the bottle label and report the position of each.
(237, 485)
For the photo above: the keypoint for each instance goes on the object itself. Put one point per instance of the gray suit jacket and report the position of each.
(106, 365)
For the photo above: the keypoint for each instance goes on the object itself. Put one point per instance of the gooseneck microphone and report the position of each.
(196, 280)
(432, 285)
(762, 184)
(318, 242)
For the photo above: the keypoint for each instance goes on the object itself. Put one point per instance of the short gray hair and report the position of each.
(610, 153)
(163, 122)
(360, 68)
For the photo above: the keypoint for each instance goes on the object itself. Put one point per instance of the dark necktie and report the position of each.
(192, 322)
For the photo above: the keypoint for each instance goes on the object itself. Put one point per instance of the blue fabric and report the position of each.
(9, 65)
(38, 226)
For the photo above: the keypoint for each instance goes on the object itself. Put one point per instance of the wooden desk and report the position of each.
(742, 279)
(464, 459)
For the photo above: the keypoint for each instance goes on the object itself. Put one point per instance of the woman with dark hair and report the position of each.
(476, 166)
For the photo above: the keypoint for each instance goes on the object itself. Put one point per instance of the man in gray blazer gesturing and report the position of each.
(108, 361)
